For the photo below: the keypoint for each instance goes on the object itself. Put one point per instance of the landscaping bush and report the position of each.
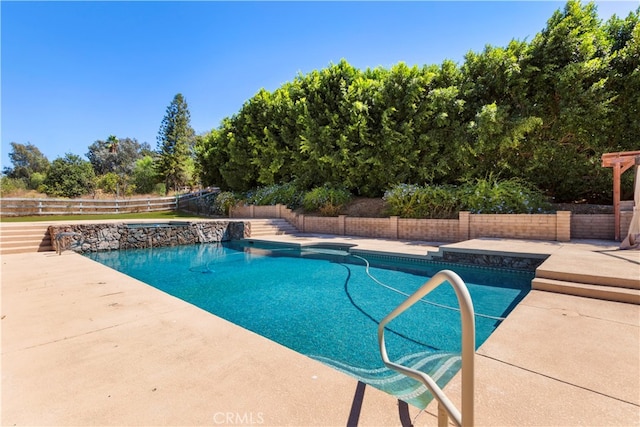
(413, 201)
(160, 189)
(108, 182)
(11, 185)
(491, 196)
(325, 200)
(36, 180)
(285, 194)
(223, 202)
(482, 196)
(69, 176)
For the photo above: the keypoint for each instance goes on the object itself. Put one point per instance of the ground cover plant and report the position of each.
(488, 196)
(287, 194)
(326, 200)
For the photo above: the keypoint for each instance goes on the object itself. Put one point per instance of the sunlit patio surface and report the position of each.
(85, 345)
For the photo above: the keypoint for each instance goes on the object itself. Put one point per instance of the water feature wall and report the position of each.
(114, 236)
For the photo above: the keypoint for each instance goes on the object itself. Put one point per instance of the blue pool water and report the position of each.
(323, 303)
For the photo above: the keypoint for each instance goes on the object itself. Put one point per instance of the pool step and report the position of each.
(604, 278)
(551, 277)
(18, 238)
(574, 278)
(602, 292)
(271, 227)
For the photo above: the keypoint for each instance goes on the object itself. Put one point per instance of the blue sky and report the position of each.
(76, 72)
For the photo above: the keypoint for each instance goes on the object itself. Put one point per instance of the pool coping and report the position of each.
(102, 348)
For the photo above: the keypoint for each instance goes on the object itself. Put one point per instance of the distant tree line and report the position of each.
(542, 111)
(119, 166)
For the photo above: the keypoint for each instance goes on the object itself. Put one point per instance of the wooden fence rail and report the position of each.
(48, 206)
(28, 207)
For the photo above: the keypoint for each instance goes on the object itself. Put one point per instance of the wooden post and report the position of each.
(616, 199)
(620, 162)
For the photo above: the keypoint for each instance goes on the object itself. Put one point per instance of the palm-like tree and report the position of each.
(112, 144)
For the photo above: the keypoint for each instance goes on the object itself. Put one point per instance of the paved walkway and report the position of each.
(85, 345)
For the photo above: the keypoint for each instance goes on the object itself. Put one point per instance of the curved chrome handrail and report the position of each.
(468, 349)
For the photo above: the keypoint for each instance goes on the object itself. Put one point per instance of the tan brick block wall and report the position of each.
(563, 226)
(516, 226)
(321, 224)
(593, 226)
(625, 223)
(368, 227)
(265, 211)
(434, 230)
(240, 212)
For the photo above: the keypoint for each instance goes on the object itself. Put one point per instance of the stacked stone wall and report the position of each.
(115, 236)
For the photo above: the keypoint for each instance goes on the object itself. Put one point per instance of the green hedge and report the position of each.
(482, 196)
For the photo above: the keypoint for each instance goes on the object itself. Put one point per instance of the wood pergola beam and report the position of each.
(620, 162)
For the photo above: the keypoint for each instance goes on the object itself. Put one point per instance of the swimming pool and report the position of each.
(325, 303)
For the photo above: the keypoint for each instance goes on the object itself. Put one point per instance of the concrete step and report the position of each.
(270, 231)
(270, 227)
(603, 292)
(24, 238)
(591, 278)
(15, 243)
(25, 249)
(17, 230)
(14, 237)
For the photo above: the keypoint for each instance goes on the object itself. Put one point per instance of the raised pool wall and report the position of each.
(555, 226)
(560, 226)
(115, 236)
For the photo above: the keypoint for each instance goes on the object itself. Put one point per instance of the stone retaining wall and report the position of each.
(114, 236)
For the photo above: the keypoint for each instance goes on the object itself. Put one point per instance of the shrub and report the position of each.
(326, 200)
(160, 189)
(285, 194)
(69, 176)
(400, 200)
(108, 182)
(413, 201)
(482, 196)
(144, 175)
(509, 196)
(223, 202)
(8, 186)
(36, 180)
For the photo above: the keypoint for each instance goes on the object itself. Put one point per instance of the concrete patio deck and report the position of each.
(85, 345)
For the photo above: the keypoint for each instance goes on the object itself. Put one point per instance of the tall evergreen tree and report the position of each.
(175, 139)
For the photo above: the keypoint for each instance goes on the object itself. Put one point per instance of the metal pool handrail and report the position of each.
(445, 407)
